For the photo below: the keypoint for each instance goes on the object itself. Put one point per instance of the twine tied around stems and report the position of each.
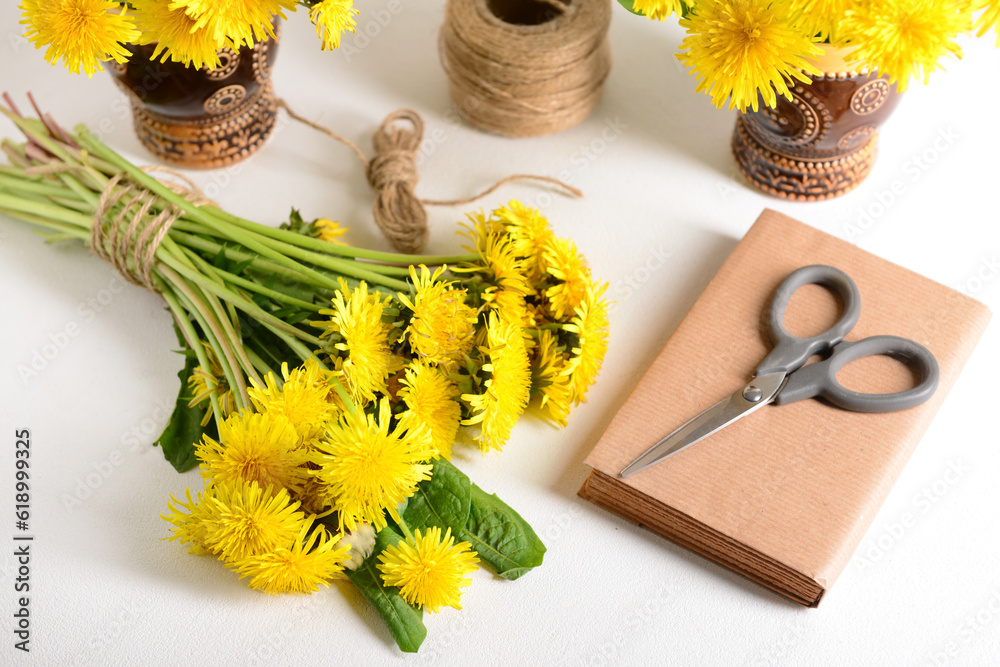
(129, 239)
(392, 173)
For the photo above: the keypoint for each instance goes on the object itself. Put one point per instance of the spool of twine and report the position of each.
(525, 68)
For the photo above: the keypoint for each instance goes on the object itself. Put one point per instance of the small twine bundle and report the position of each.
(525, 68)
(392, 174)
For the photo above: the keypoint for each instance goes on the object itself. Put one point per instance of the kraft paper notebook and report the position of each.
(785, 495)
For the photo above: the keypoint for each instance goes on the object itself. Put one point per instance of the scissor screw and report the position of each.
(752, 393)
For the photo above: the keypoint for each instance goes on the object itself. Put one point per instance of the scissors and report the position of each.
(783, 376)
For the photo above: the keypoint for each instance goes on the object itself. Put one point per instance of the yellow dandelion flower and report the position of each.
(590, 324)
(904, 39)
(366, 470)
(329, 231)
(529, 233)
(81, 33)
(332, 18)
(236, 22)
(431, 399)
(303, 399)
(213, 381)
(191, 523)
(549, 381)
(244, 520)
(745, 50)
(301, 567)
(508, 387)
(990, 18)
(254, 448)
(819, 18)
(659, 9)
(357, 319)
(429, 570)
(563, 262)
(500, 268)
(443, 325)
(174, 34)
(478, 228)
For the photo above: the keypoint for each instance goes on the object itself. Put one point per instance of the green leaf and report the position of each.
(184, 428)
(405, 622)
(502, 538)
(443, 500)
(627, 4)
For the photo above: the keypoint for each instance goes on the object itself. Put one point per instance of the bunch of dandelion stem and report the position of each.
(55, 181)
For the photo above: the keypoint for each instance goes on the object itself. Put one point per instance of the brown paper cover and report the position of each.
(785, 495)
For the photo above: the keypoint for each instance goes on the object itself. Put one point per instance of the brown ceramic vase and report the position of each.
(823, 142)
(201, 118)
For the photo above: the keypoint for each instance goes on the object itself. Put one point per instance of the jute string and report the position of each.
(525, 68)
(392, 173)
(129, 239)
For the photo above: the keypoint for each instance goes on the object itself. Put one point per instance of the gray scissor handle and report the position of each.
(791, 352)
(820, 378)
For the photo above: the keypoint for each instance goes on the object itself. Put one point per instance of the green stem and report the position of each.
(227, 319)
(406, 530)
(343, 250)
(245, 305)
(62, 228)
(190, 335)
(260, 289)
(261, 365)
(197, 242)
(211, 329)
(343, 266)
(50, 211)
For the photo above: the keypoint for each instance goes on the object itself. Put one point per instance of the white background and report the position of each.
(664, 206)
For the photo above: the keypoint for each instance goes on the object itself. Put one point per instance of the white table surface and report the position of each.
(662, 192)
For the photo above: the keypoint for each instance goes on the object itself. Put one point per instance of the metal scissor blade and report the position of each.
(718, 416)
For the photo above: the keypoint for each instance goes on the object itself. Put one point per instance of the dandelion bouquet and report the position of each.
(84, 33)
(325, 386)
(751, 50)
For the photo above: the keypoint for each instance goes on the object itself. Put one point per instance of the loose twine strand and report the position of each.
(522, 71)
(392, 173)
(129, 240)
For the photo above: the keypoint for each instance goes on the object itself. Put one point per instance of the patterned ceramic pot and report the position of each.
(201, 118)
(822, 144)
